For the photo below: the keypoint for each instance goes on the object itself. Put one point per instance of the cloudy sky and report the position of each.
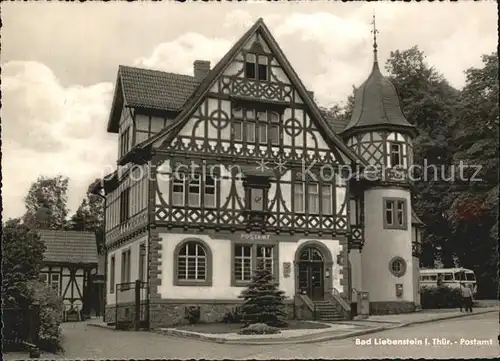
(59, 64)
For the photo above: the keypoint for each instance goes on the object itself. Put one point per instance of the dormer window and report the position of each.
(396, 154)
(256, 67)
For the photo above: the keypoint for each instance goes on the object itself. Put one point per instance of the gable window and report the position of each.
(124, 205)
(252, 126)
(262, 67)
(326, 199)
(112, 275)
(313, 198)
(238, 130)
(256, 67)
(242, 263)
(396, 154)
(395, 213)
(194, 191)
(298, 197)
(274, 135)
(209, 200)
(250, 132)
(250, 70)
(178, 190)
(142, 262)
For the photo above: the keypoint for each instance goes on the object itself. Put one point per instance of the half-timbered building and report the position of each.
(237, 165)
(70, 263)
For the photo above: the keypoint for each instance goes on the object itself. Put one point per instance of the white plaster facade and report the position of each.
(221, 288)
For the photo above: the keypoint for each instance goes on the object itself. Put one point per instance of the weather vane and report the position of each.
(375, 32)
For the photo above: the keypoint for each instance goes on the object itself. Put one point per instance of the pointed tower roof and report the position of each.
(376, 101)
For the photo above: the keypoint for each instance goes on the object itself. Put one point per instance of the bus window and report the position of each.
(434, 278)
(470, 277)
(448, 276)
(459, 276)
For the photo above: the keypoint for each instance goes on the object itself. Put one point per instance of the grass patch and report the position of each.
(217, 328)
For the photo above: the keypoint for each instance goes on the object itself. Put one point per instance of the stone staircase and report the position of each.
(326, 312)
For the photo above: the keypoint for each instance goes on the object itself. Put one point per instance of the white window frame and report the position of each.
(244, 261)
(178, 180)
(266, 259)
(316, 194)
(199, 256)
(214, 187)
(329, 199)
(299, 195)
(393, 153)
(194, 182)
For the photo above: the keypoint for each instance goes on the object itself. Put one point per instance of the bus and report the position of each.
(451, 277)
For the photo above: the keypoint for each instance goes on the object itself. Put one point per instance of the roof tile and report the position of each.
(69, 246)
(156, 89)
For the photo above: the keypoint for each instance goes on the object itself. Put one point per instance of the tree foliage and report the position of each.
(263, 300)
(429, 103)
(46, 203)
(473, 213)
(90, 217)
(22, 255)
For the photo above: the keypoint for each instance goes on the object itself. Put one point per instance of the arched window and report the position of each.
(192, 262)
(311, 254)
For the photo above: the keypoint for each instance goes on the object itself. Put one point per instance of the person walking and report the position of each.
(466, 298)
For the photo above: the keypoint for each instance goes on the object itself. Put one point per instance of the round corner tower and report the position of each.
(383, 246)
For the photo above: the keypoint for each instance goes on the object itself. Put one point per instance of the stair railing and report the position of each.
(338, 297)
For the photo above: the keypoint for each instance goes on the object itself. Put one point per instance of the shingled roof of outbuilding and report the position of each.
(336, 124)
(69, 247)
(155, 89)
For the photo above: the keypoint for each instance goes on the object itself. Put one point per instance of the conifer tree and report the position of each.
(263, 300)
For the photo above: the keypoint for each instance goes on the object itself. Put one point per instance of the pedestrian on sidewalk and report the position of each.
(466, 298)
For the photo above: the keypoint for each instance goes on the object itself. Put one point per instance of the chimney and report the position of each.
(311, 94)
(201, 69)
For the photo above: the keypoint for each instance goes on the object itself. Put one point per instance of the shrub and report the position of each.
(233, 316)
(263, 300)
(193, 314)
(259, 329)
(440, 297)
(51, 313)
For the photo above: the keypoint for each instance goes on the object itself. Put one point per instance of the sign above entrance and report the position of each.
(255, 237)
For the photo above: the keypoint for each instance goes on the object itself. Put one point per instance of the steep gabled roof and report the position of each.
(69, 247)
(198, 96)
(150, 89)
(156, 89)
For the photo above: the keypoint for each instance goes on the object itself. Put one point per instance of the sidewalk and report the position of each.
(337, 331)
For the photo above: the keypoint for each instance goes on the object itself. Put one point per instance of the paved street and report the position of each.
(481, 327)
(81, 341)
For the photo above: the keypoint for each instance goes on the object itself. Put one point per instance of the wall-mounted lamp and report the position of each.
(340, 259)
(327, 273)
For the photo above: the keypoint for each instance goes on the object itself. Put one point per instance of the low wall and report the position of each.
(168, 314)
(392, 307)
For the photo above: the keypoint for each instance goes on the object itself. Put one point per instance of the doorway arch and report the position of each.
(313, 270)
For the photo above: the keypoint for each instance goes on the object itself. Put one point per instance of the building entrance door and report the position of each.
(311, 272)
